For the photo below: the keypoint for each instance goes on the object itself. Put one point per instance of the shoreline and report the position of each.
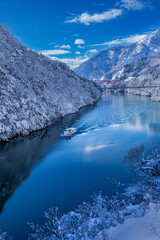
(48, 125)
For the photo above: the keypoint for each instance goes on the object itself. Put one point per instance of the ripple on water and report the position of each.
(44, 170)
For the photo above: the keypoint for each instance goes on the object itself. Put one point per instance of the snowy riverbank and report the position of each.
(108, 218)
(93, 218)
(146, 227)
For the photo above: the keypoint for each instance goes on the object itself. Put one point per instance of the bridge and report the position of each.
(107, 81)
(112, 87)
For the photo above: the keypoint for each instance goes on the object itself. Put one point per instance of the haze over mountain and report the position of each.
(107, 62)
(35, 90)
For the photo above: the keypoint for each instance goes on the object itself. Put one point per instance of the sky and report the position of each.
(72, 31)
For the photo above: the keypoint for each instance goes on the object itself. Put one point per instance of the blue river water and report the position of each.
(44, 170)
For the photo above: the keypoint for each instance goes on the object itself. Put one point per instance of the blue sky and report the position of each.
(73, 30)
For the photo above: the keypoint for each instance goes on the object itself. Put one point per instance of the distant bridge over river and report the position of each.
(111, 87)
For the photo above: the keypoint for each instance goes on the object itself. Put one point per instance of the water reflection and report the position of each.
(19, 156)
(148, 121)
(68, 172)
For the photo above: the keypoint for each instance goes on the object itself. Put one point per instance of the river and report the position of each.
(44, 170)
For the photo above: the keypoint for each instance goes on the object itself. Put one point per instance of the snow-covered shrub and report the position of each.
(5, 236)
(147, 167)
(87, 221)
(90, 220)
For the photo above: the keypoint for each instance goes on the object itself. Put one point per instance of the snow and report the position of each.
(144, 72)
(137, 65)
(146, 227)
(105, 63)
(5, 236)
(133, 215)
(35, 90)
(108, 218)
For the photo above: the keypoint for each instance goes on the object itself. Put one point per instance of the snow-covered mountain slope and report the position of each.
(104, 64)
(144, 72)
(34, 90)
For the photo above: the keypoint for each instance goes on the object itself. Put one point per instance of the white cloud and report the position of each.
(128, 40)
(54, 52)
(86, 18)
(65, 46)
(81, 47)
(72, 62)
(78, 52)
(132, 4)
(92, 51)
(79, 41)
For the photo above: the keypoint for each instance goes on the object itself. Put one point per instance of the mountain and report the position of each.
(34, 90)
(144, 72)
(107, 62)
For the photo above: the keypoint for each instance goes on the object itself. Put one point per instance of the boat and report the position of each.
(68, 132)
